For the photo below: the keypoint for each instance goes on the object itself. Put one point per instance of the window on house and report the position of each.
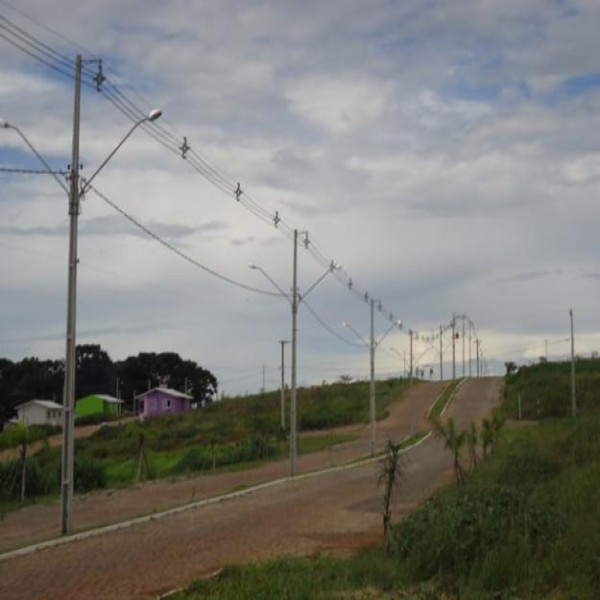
(168, 404)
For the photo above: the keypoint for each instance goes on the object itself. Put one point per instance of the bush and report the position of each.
(89, 474)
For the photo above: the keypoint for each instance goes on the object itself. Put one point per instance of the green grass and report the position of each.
(545, 389)
(524, 525)
(232, 433)
(445, 396)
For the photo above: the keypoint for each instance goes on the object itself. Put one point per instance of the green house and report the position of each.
(98, 404)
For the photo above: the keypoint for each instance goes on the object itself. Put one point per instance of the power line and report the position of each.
(57, 61)
(32, 171)
(178, 252)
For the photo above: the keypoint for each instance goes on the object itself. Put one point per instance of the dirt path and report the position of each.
(338, 511)
(56, 440)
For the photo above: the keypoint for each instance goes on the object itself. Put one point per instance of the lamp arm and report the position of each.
(38, 155)
(88, 182)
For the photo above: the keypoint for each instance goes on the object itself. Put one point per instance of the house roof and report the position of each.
(110, 399)
(105, 397)
(44, 403)
(167, 392)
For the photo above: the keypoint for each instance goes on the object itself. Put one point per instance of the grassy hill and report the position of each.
(545, 389)
(524, 525)
(231, 433)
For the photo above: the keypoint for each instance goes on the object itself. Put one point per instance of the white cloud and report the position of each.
(339, 104)
(429, 147)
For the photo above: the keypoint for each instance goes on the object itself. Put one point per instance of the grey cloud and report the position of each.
(526, 276)
(57, 231)
(118, 226)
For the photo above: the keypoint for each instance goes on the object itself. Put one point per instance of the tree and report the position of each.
(148, 369)
(511, 367)
(390, 476)
(454, 441)
(137, 431)
(472, 441)
(28, 379)
(95, 371)
(490, 430)
(19, 436)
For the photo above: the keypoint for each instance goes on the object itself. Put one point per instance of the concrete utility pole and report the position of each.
(372, 412)
(470, 337)
(283, 343)
(573, 399)
(441, 355)
(463, 345)
(453, 346)
(477, 349)
(293, 432)
(69, 385)
(410, 372)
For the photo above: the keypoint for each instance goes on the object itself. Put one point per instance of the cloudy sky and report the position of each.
(446, 154)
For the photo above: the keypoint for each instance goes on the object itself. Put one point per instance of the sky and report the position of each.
(444, 154)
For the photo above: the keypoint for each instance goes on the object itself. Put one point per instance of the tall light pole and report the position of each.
(75, 194)
(441, 354)
(573, 399)
(294, 301)
(283, 343)
(453, 346)
(372, 345)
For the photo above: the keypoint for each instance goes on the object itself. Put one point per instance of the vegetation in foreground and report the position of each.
(523, 524)
(233, 433)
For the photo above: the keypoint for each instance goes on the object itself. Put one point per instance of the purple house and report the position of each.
(162, 401)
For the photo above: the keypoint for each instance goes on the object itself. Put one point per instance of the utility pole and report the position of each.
(441, 356)
(573, 399)
(372, 411)
(470, 336)
(283, 343)
(294, 334)
(477, 348)
(410, 372)
(262, 391)
(463, 345)
(453, 346)
(70, 358)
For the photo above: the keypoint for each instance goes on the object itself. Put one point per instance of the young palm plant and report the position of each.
(472, 441)
(454, 441)
(390, 476)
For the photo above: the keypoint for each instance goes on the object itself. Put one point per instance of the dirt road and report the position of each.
(337, 511)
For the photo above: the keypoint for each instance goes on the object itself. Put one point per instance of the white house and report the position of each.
(40, 412)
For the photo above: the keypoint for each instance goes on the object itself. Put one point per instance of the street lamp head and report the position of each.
(252, 266)
(154, 114)
(5, 124)
(399, 323)
(344, 323)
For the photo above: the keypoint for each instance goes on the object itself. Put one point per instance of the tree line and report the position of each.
(32, 378)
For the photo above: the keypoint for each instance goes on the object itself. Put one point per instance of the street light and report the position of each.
(294, 301)
(75, 194)
(372, 345)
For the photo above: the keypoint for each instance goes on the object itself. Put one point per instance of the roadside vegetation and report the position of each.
(230, 434)
(520, 522)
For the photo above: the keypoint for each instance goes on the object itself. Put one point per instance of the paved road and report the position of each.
(336, 511)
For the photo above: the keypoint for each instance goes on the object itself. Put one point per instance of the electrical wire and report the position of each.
(176, 251)
(45, 54)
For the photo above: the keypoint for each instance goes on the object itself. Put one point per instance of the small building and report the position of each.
(40, 412)
(162, 400)
(98, 404)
